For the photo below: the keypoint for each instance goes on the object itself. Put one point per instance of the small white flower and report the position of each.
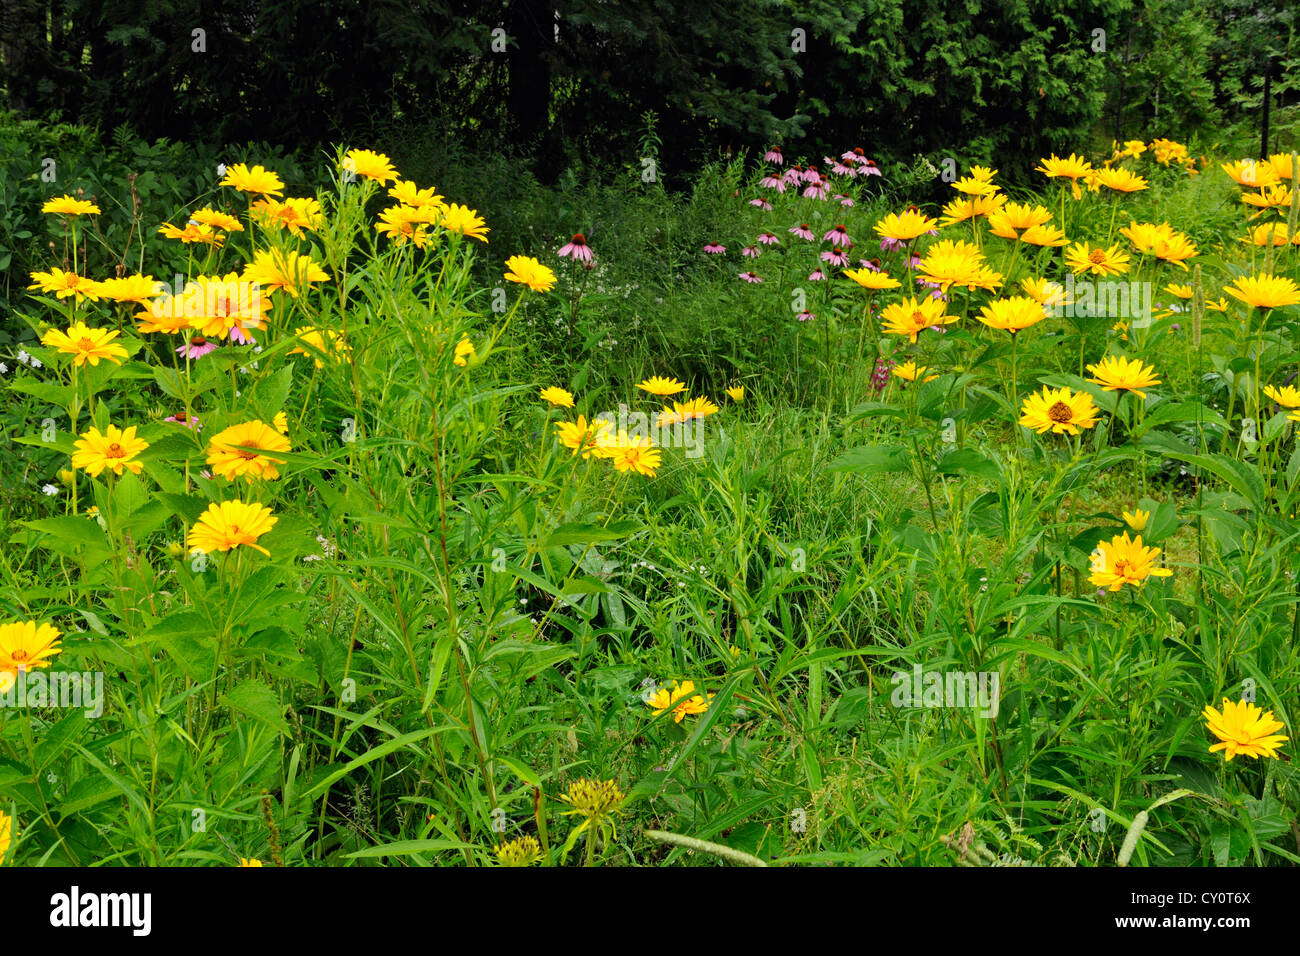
(221, 169)
(36, 363)
(22, 356)
(50, 490)
(3, 368)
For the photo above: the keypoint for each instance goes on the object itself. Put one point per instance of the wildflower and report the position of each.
(698, 407)
(1014, 218)
(137, 288)
(806, 316)
(256, 180)
(1273, 233)
(189, 421)
(274, 269)
(583, 438)
(972, 207)
(408, 194)
(1074, 168)
(957, 262)
(465, 351)
(25, 645)
(749, 252)
(768, 239)
(245, 861)
(523, 851)
(557, 397)
(1248, 172)
(70, 206)
(577, 249)
(113, 449)
(6, 822)
(750, 277)
(1118, 374)
(240, 451)
(1243, 728)
(911, 317)
(1012, 314)
(337, 347)
(870, 278)
(372, 165)
(1274, 197)
(1044, 291)
(909, 372)
(1045, 235)
(1137, 519)
(222, 306)
(403, 223)
(906, 226)
(1058, 409)
(714, 248)
(773, 155)
(64, 284)
(772, 182)
(837, 235)
(86, 345)
(528, 271)
(836, 257)
(1265, 291)
(463, 220)
(1122, 561)
(1121, 180)
(294, 214)
(197, 347)
(658, 385)
(596, 800)
(762, 204)
(1082, 258)
(630, 454)
(1288, 396)
(681, 699)
(229, 525)
(736, 393)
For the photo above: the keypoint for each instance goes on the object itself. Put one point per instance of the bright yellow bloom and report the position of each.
(630, 454)
(409, 194)
(64, 284)
(255, 180)
(240, 451)
(1273, 233)
(681, 699)
(1274, 197)
(217, 304)
(1074, 168)
(114, 449)
(736, 393)
(973, 186)
(1014, 218)
(85, 344)
(1137, 519)
(971, 207)
(1058, 409)
(1168, 152)
(401, 223)
(1045, 235)
(523, 851)
(1117, 374)
(7, 832)
(1288, 396)
(70, 206)
(1012, 314)
(911, 317)
(698, 407)
(1045, 292)
(25, 645)
(906, 226)
(870, 279)
(231, 524)
(1082, 258)
(1280, 163)
(596, 800)
(372, 165)
(659, 385)
(948, 263)
(1121, 180)
(557, 397)
(193, 232)
(465, 221)
(137, 288)
(217, 220)
(1181, 291)
(245, 861)
(1250, 173)
(276, 269)
(337, 348)
(983, 173)
(528, 271)
(1122, 561)
(295, 214)
(1134, 148)
(464, 352)
(583, 438)
(1243, 728)
(1265, 291)
(281, 423)
(909, 372)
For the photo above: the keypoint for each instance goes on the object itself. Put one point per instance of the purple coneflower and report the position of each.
(773, 182)
(180, 419)
(750, 252)
(839, 169)
(715, 248)
(750, 277)
(817, 275)
(890, 245)
(196, 347)
(812, 175)
(838, 235)
(576, 248)
(845, 201)
(768, 239)
(802, 231)
(836, 257)
(240, 336)
(867, 168)
(872, 264)
(817, 191)
(773, 155)
(805, 316)
(762, 204)
(793, 176)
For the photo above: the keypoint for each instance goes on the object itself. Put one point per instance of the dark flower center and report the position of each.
(1060, 412)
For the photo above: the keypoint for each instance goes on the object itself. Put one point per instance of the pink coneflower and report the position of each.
(750, 252)
(180, 419)
(773, 182)
(938, 294)
(805, 316)
(576, 248)
(853, 155)
(845, 201)
(793, 176)
(196, 347)
(839, 169)
(836, 257)
(803, 232)
(715, 248)
(817, 191)
(817, 275)
(890, 245)
(773, 155)
(768, 239)
(867, 168)
(750, 277)
(240, 336)
(838, 235)
(762, 204)
(914, 262)
(812, 175)
(872, 264)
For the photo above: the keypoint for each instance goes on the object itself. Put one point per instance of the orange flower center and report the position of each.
(919, 317)
(1097, 256)
(85, 345)
(246, 455)
(1060, 412)
(1124, 568)
(20, 655)
(114, 451)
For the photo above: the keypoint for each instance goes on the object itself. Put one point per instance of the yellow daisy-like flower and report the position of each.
(372, 165)
(465, 221)
(1059, 410)
(736, 393)
(1013, 314)
(1243, 728)
(870, 279)
(1265, 291)
(1181, 291)
(906, 226)
(245, 861)
(698, 407)
(557, 397)
(193, 232)
(681, 699)
(528, 271)
(974, 186)
(70, 206)
(523, 851)
(217, 304)
(256, 180)
(951, 262)
(240, 451)
(1136, 519)
(464, 352)
(7, 832)
(167, 316)
(971, 207)
(631, 454)
(400, 223)
(1014, 218)
(909, 372)
(1134, 148)
(585, 439)
(1082, 258)
(1280, 163)
(86, 345)
(276, 269)
(1045, 291)
(1288, 396)
(912, 317)
(409, 194)
(1272, 198)
(114, 449)
(1168, 152)
(1044, 235)
(281, 423)
(596, 800)
(1250, 173)
(1073, 168)
(1117, 374)
(295, 214)
(1121, 180)
(337, 348)
(25, 645)
(1273, 233)
(137, 289)
(208, 216)
(1122, 561)
(64, 284)
(229, 525)
(659, 385)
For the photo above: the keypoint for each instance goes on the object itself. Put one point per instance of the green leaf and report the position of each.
(873, 459)
(578, 533)
(254, 699)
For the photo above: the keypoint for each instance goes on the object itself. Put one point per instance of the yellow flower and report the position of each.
(1074, 168)
(86, 345)
(465, 221)
(1280, 163)
(274, 269)
(1117, 374)
(217, 304)
(983, 173)
(1137, 519)
(245, 861)
(1288, 396)
(137, 288)
(971, 207)
(698, 407)
(281, 423)
(974, 186)
(114, 449)
(64, 284)
(1248, 172)
(1058, 409)
(1045, 291)
(906, 226)
(25, 645)
(337, 348)
(7, 832)
(681, 699)
(1122, 561)
(240, 451)
(295, 214)
(216, 220)
(630, 454)
(582, 437)
(464, 351)
(255, 180)
(909, 372)
(1168, 152)
(1265, 291)
(736, 393)
(1082, 258)
(1272, 198)
(231, 524)
(524, 851)
(530, 272)
(193, 232)
(70, 206)
(1181, 291)
(596, 800)
(911, 317)
(1273, 233)
(409, 194)
(658, 385)
(1014, 218)
(558, 397)
(1134, 148)
(1045, 235)
(1013, 314)
(1243, 728)
(372, 165)
(957, 262)
(1121, 180)
(870, 279)
(401, 223)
